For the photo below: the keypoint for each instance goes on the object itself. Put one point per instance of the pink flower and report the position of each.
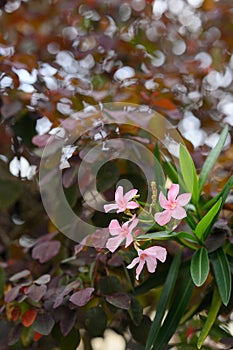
(173, 205)
(148, 256)
(123, 202)
(122, 233)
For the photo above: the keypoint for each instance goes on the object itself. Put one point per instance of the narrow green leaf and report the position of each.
(165, 235)
(186, 235)
(164, 300)
(222, 274)
(213, 312)
(171, 172)
(224, 193)
(189, 173)
(157, 235)
(177, 310)
(200, 266)
(190, 220)
(211, 159)
(207, 220)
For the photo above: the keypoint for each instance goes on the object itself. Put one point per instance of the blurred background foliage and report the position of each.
(58, 57)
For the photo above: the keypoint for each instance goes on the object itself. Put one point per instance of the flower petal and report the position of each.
(132, 205)
(183, 199)
(179, 213)
(130, 194)
(114, 228)
(139, 268)
(108, 207)
(121, 209)
(173, 192)
(114, 243)
(151, 263)
(119, 194)
(129, 239)
(132, 225)
(163, 201)
(164, 217)
(159, 252)
(134, 262)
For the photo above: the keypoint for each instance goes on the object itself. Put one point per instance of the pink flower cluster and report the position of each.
(173, 206)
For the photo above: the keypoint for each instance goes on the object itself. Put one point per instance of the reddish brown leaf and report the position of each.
(28, 318)
(37, 336)
(15, 313)
(164, 103)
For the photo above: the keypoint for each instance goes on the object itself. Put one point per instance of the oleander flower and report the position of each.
(121, 233)
(149, 257)
(173, 205)
(123, 202)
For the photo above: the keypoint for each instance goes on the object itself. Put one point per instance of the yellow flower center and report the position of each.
(173, 205)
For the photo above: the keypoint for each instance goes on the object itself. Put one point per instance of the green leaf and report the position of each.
(207, 221)
(171, 172)
(157, 235)
(189, 173)
(213, 312)
(211, 159)
(223, 194)
(141, 331)
(222, 274)
(180, 302)
(190, 220)
(164, 300)
(95, 321)
(165, 235)
(200, 266)
(71, 341)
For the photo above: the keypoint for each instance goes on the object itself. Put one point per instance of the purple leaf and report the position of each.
(35, 293)
(43, 324)
(12, 294)
(99, 238)
(119, 300)
(45, 251)
(63, 291)
(47, 237)
(59, 298)
(116, 260)
(82, 297)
